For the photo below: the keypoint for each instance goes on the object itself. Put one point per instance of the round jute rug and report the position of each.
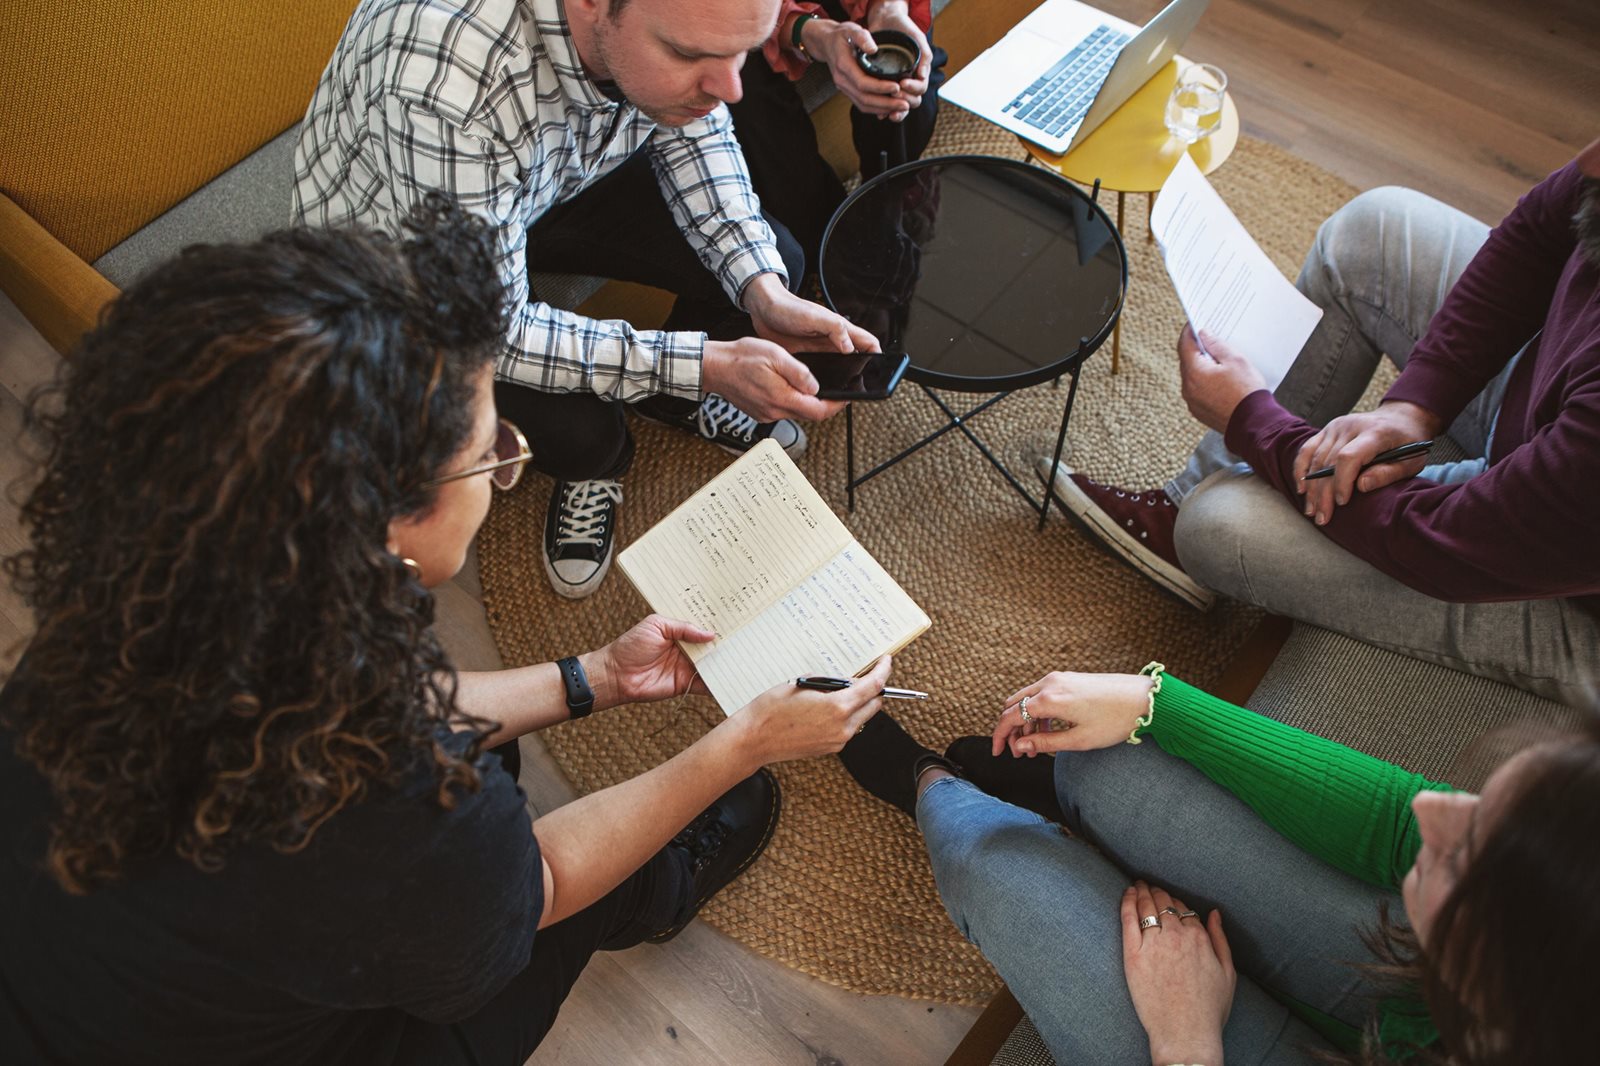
(844, 891)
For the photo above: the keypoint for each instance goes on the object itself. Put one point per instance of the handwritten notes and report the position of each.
(837, 622)
(1224, 281)
(757, 557)
(732, 549)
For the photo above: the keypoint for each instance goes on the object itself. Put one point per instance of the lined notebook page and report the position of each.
(837, 621)
(735, 547)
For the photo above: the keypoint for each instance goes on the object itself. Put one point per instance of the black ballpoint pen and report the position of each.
(1405, 451)
(834, 684)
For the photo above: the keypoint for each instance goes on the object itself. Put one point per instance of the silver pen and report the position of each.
(834, 684)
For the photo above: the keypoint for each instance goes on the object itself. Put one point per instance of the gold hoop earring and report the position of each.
(415, 570)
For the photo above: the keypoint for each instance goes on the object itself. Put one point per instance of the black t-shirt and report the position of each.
(397, 908)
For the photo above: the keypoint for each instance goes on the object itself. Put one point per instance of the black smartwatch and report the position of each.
(580, 697)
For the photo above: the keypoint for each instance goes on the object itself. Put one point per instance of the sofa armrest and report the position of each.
(57, 291)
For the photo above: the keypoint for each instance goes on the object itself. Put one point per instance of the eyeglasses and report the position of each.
(511, 454)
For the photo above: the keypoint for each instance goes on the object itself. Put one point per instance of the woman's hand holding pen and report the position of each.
(786, 722)
(1071, 712)
(1348, 443)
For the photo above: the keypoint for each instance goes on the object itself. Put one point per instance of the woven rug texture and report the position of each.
(844, 891)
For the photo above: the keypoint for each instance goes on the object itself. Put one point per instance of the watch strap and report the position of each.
(580, 697)
(795, 40)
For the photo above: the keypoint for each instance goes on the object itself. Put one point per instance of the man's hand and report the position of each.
(896, 15)
(1180, 976)
(1349, 442)
(762, 380)
(1214, 384)
(836, 44)
(800, 325)
(645, 663)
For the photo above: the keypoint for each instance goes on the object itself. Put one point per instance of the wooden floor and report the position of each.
(1471, 101)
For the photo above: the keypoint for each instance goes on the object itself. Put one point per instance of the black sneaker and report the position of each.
(723, 840)
(730, 429)
(578, 532)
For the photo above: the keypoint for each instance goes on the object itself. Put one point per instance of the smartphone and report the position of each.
(857, 376)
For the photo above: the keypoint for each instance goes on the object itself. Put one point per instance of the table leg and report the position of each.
(850, 455)
(1061, 440)
(1149, 211)
(1116, 331)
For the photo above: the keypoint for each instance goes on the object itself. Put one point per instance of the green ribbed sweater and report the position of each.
(1348, 809)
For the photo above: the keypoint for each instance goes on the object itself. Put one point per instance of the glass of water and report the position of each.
(1194, 110)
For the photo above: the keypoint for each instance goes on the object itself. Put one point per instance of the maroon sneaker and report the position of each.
(1136, 526)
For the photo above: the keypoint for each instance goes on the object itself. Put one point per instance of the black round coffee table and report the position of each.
(993, 275)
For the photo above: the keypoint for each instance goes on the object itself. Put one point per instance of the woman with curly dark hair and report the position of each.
(248, 810)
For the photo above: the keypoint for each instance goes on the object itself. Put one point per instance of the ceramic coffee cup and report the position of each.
(896, 58)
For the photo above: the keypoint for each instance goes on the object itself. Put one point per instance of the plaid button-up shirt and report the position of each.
(487, 101)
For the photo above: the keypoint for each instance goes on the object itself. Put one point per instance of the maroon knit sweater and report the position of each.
(1527, 527)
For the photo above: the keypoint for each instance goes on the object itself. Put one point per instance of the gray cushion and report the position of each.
(1024, 1047)
(1426, 718)
(248, 200)
(242, 203)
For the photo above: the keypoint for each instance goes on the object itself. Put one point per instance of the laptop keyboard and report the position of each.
(1058, 99)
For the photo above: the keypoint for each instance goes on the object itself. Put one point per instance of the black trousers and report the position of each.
(620, 228)
(795, 183)
(510, 1026)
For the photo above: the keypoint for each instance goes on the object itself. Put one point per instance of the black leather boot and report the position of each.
(722, 842)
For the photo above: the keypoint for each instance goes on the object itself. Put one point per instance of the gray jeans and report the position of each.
(1379, 268)
(1043, 907)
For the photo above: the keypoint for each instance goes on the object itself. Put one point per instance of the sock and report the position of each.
(1026, 783)
(883, 759)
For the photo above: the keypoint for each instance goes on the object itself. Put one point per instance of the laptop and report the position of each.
(1065, 68)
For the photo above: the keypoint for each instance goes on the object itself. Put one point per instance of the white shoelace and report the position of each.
(583, 512)
(717, 414)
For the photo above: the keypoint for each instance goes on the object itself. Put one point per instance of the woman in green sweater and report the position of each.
(1372, 915)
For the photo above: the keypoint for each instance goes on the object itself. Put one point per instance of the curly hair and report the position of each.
(226, 650)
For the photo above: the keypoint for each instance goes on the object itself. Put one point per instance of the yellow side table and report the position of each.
(1133, 152)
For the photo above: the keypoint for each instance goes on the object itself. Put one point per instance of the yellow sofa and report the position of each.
(118, 111)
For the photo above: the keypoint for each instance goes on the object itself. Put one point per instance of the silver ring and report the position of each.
(1150, 921)
(1172, 910)
(1027, 718)
(1186, 914)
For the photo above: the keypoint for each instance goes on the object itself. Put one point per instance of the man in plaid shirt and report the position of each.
(593, 134)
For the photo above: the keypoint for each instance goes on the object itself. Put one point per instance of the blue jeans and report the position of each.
(1043, 906)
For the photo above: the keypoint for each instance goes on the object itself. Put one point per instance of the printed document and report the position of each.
(1225, 282)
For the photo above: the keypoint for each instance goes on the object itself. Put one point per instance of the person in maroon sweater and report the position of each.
(1485, 565)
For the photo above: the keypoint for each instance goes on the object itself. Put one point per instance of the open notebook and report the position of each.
(757, 557)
